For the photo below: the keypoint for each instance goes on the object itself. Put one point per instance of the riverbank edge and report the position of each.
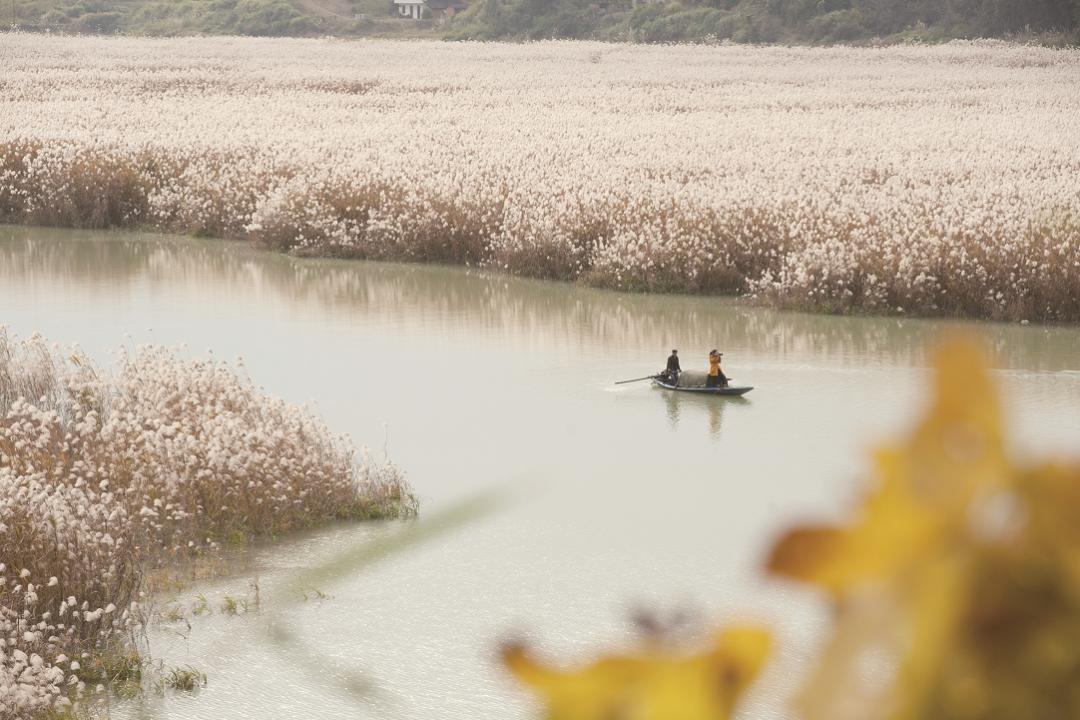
(72, 387)
(749, 299)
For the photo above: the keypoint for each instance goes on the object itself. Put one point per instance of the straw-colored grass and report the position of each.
(910, 180)
(103, 477)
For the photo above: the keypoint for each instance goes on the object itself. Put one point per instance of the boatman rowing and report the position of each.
(673, 370)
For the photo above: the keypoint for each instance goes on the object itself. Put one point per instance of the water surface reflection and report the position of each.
(480, 301)
(623, 496)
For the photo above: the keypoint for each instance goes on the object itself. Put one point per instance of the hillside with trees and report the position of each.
(771, 21)
(743, 21)
(346, 18)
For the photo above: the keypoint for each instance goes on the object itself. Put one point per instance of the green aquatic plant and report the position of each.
(173, 613)
(313, 594)
(185, 678)
(230, 605)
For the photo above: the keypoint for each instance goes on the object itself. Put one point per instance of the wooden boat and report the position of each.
(730, 391)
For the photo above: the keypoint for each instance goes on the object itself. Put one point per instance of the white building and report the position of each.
(410, 8)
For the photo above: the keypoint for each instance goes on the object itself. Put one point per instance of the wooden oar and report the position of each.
(624, 382)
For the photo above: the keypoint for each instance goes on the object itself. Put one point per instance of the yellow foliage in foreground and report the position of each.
(955, 588)
(654, 685)
(962, 572)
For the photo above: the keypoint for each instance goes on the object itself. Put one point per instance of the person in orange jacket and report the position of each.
(716, 378)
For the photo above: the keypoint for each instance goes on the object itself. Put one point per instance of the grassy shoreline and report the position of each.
(917, 181)
(734, 298)
(118, 198)
(107, 477)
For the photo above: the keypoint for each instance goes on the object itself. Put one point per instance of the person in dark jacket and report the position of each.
(671, 373)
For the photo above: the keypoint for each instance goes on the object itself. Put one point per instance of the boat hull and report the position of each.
(729, 391)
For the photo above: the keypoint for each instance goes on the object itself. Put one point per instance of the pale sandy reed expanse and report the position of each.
(920, 180)
(106, 478)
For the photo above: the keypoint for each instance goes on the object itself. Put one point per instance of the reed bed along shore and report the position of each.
(105, 476)
(917, 180)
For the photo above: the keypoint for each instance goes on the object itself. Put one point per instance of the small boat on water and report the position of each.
(730, 391)
(695, 382)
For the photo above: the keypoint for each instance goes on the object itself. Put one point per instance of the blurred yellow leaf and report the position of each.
(656, 684)
(961, 571)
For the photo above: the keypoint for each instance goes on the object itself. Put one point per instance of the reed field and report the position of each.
(926, 180)
(105, 476)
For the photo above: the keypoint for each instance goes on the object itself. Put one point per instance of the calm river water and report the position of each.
(616, 498)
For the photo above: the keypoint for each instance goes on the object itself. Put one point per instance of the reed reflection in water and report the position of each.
(619, 496)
